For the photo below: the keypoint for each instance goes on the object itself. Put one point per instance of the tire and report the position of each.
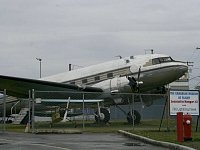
(137, 117)
(105, 116)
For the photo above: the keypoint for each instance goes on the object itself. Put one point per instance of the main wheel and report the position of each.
(104, 116)
(137, 117)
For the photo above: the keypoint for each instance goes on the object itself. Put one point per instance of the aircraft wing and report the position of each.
(19, 87)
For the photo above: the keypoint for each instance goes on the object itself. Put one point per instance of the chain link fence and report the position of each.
(3, 111)
(13, 113)
(85, 110)
(70, 110)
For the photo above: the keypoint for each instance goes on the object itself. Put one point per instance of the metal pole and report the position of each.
(197, 119)
(142, 106)
(197, 124)
(4, 110)
(163, 112)
(168, 110)
(29, 112)
(41, 68)
(83, 111)
(33, 108)
(133, 114)
(40, 60)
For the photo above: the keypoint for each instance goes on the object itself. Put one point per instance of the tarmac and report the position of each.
(75, 140)
(84, 141)
(128, 134)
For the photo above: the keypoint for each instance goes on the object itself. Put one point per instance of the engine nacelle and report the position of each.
(115, 85)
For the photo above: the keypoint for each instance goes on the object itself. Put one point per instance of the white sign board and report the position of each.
(184, 101)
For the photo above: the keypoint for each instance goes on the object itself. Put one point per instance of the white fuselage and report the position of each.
(155, 70)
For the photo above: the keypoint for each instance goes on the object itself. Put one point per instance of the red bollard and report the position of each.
(179, 123)
(187, 125)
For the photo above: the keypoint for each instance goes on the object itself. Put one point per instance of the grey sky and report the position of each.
(85, 32)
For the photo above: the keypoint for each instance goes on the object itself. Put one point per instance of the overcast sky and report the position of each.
(84, 32)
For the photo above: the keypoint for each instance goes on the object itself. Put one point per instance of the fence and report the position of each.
(66, 110)
(3, 111)
(83, 109)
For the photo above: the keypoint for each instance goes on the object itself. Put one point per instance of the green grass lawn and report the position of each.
(170, 136)
(148, 128)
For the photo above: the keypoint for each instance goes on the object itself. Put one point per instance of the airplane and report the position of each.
(134, 74)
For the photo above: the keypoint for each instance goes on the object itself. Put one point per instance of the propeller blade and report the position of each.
(139, 71)
(138, 85)
(134, 84)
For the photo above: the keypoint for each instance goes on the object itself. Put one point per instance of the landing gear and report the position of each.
(137, 117)
(103, 116)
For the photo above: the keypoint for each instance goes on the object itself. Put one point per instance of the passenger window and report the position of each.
(109, 75)
(97, 78)
(84, 81)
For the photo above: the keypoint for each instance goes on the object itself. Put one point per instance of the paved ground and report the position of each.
(97, 141)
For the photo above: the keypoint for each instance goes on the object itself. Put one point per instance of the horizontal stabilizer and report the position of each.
(67, 100)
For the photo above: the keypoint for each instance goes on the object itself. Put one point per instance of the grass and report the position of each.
(13, 128)
(170, 137)
(147, 128)
(167, 133)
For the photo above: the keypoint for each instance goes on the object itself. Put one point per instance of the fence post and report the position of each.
(133, 114)
(83, 111)
(33, 113)
(168, 116)
(4, 110)
(29, 112)
(164, 109)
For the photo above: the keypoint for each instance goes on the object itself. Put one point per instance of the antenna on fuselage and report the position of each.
(120, 57)
(70, 67)
(147, 50)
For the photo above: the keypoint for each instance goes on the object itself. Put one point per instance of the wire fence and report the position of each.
(89, 109)
(67, 110)
(3, 111)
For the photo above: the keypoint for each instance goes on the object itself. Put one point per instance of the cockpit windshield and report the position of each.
(161, 60)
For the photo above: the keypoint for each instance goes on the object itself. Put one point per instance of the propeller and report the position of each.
(135, 84)
(138, 79)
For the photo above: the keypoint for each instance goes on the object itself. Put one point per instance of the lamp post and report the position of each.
(40, 60)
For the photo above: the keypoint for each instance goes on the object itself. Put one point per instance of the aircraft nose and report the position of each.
(182, 69)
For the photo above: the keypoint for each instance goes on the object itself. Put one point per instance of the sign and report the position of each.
(184, 101)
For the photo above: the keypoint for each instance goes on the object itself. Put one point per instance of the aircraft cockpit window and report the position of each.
(155, 61)
(165, 59)
(160, 60)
